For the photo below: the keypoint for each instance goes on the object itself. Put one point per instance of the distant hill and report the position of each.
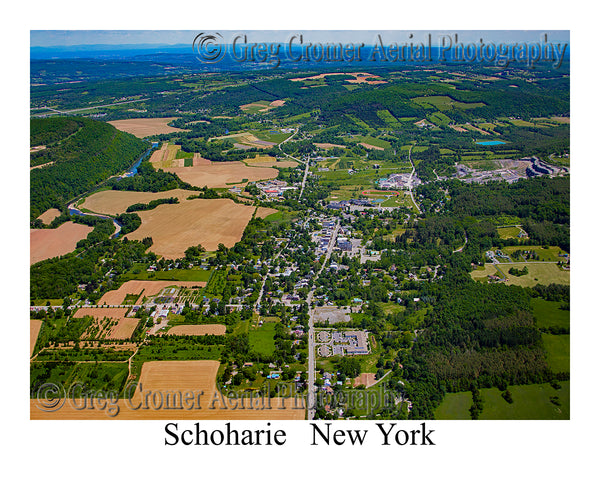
(79, 154)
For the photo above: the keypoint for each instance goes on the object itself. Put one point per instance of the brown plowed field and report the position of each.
(158, 388)
(48, 243)
(136, 287)
(221, 174)
(34, 331)
(143, 127)
(211, 329)
(366, 379)
(49, 215)
(113, 202)
(175, 227)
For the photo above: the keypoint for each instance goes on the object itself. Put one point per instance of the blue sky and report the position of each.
(47, 38)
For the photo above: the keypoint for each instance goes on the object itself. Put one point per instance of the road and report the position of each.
(257, 303)
(463, 246)
(66, 112)
(311, 400)
(307, 163)
(410, 180)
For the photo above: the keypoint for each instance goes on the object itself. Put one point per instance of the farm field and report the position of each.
(192, 377)
(48, 243)
(359, 77)
(550, 254)
(539, 273)
(148, 288)
(222, 174)
(197, 276)
(49, 215)
(113, 202)
(266, 161)
(121, 331)
(144, 127)
(175, 227)
(166, 156)
(264, 212)
(531, 402)
(209, 329)
(34, 331)
(558, 349)
(549, 314)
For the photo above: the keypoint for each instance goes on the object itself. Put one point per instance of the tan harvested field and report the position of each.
(263, 212)
(366, 379)
(210, 329)
(266, 161)
(277, 103)
(175, 227)
(148, 287)
(245, 140)
(37, 149)
(457, 128)
(222, 174)
(183, 390)
(326, 146)
(48, 243)
(113, 202)
(34, 331)
(199, 160)
(368, 146)
(49, 215)
(359, 77)
(165, 156)
(143, 127)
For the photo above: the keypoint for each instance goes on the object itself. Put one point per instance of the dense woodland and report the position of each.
(82, 160)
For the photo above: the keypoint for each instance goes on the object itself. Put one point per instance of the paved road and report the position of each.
(307, 163)
(311, 401)
(412, 173)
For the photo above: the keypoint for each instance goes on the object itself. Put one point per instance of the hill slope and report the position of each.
(84, 152)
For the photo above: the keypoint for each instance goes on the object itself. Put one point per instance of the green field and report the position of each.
(267, 136)
(557, 351)
(531, 402)
(377, 142)
(455, 407)
(539, 273)
(508, 232)
(549, 314)
(261, 338)
(192, 275)
(549, 254)
(443, 103)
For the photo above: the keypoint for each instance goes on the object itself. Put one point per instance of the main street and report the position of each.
(311, 400)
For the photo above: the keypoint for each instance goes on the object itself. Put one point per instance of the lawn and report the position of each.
(558, 349)
(530, 402)
(549, 314)
(261, 338)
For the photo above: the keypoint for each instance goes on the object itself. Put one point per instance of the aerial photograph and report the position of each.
(299, 225)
